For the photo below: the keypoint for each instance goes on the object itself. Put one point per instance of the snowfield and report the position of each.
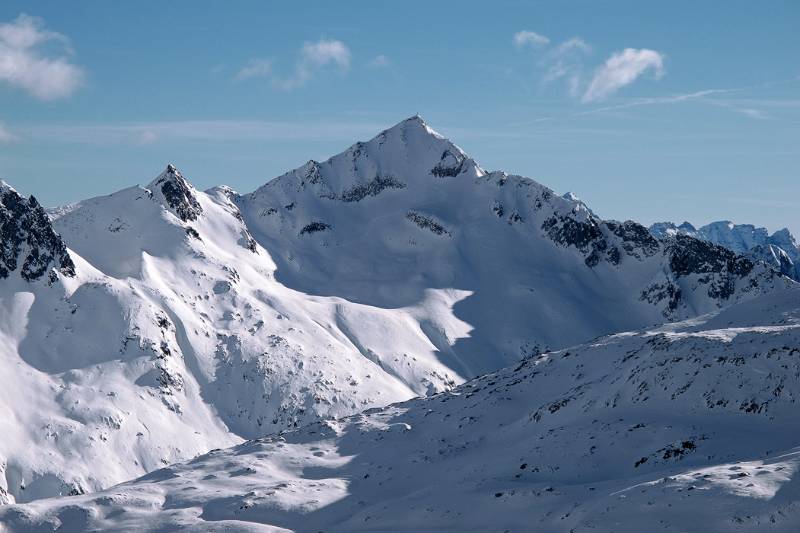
(149, 326)
(685, 427)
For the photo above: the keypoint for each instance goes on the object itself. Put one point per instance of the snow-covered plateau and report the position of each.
(145, 328)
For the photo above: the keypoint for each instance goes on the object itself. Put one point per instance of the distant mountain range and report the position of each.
(779, 250)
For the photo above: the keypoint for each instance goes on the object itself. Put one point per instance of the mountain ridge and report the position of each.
(395, 269)
(779, 249)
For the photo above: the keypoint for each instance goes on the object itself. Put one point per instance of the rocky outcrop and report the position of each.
(27, 239)
(176, 194)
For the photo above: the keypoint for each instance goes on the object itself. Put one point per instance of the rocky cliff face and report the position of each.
(177, 194)
(28, 243)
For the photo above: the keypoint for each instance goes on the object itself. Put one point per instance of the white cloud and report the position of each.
(255, 68)
(530, 38)
(575, 44)
(565, 61)
(6, 136)
(147, 137)
(621, 69)
(25, 65)
(380, 61)
(753, 113)
(313, 58)
(325, 52)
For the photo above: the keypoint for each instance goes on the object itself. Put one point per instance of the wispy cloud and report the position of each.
(530, 38)
(752, 113)
(749, 112)
(142, 133)
(26, 64)
(147, 137)
(705, 95)
(6, 136)
(565, 61)
(658, 100)
(560, 62)
(379, 61)
(313, 57)
(255, 68)
(574, 44)
(622, 69)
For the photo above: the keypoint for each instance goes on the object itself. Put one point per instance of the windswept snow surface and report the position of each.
(148, 326)
(690, 426)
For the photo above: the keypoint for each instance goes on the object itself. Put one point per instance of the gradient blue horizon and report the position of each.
(716, 137)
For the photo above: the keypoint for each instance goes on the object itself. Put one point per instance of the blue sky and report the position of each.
(649, 111)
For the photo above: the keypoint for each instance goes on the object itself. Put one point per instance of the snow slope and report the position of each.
(690, 426)
(779, 249)
(153, 324)
(408, 211)
(171, 338)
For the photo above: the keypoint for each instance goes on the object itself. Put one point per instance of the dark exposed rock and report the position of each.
(663, 291)
(635, 238)
(177, 194)
(567, 231)
(586, 236)
(450, 165)
(249, 242)
(312, 174)
(514, 218)
(688, 255)
(314, 227)
(27, 237)
(371, 188)
(498, 209)
(717, 269)
(778, 258)
(426, 222)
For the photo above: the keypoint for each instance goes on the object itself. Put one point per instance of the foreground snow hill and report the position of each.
(150, 325)
(690, 426)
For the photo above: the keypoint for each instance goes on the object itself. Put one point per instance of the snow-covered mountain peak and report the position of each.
(28, 239)
(579, 205)
(396, 268)
(408, 155)
(176, 194)
(783, 237)
(415, 125)
(5, 187)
